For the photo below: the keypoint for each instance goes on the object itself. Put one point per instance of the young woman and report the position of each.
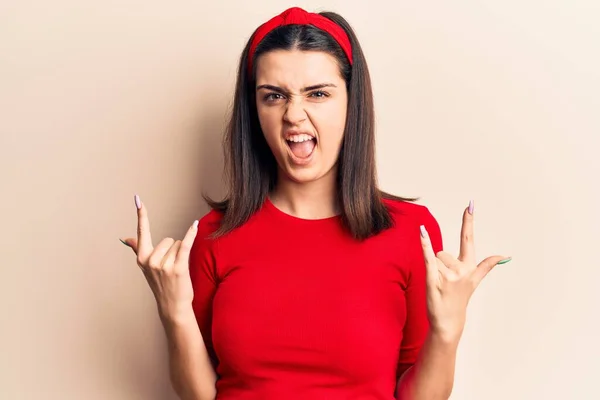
(308, 281)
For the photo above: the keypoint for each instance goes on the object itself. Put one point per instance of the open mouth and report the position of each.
(302, 146)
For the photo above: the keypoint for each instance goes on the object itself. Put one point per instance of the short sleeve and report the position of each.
(203, 264)
(416, 326)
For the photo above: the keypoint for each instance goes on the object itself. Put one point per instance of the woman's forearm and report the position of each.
(192, 374)
(432, 376)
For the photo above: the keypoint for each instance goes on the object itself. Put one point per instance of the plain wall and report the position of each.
(491, 100)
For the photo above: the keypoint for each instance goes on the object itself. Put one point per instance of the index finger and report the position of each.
(467, 244)
(143, 230)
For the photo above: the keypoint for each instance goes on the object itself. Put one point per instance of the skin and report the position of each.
(166, 269)
(307, 189)
(451, 281)
(285, 101)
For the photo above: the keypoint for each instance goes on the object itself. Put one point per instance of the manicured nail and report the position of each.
(195, 224)
(138, 203)
(423, 231)
(471, 207)
(122, 241)
(504, 261)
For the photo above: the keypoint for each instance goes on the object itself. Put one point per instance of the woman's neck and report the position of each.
(309, 200)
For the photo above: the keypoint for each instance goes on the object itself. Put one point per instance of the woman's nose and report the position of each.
(294, 112)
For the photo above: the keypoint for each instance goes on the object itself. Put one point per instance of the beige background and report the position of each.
(491, 100)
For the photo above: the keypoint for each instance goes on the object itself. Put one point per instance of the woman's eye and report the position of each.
(273, 97)
(319, 94)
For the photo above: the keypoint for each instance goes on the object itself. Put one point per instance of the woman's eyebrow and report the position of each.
(303, 90)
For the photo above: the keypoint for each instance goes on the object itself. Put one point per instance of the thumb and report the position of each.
(484, 267)
(130, 242)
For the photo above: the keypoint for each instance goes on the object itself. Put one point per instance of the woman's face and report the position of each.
(301, 100)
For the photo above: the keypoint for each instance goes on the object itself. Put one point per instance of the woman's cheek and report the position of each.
(270, 124)
(330, 126)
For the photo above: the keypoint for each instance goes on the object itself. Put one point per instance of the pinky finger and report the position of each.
(431, 262)
(186, 245)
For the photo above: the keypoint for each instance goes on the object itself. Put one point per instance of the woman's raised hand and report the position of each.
(166, 266)
(451, 281)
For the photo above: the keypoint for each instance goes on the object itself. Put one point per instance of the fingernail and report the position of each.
(138, 203)
(423, 231)
(471, 207)
(122, 241)
(504, 261)
(195, 224)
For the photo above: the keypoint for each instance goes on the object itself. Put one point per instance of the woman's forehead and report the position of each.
(296, 69)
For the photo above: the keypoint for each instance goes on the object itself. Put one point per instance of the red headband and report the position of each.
(296, 15)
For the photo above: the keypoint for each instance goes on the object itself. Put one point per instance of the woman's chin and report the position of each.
(307, 174)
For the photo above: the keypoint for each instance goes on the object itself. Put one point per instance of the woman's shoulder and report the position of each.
(408, 214)
(209, 223)
(399, 208)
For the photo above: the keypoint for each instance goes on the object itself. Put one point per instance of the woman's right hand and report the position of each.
(166, 266)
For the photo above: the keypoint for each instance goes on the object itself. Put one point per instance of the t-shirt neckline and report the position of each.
(291, 218)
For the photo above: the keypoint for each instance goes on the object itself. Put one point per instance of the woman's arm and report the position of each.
(166, 268)
(192, 374)
(450, 284)
(432, 375)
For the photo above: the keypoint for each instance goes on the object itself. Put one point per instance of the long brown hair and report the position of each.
(251, 169)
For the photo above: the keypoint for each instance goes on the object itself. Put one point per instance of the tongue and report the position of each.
(302, 149)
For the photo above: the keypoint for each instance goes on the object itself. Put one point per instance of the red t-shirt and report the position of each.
(297, 309)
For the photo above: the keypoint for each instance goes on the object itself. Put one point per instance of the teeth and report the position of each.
(299, 138)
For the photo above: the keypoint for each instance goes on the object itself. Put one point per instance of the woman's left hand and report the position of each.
(451, 281)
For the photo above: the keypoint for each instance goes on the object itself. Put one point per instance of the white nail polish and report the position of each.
(423, 231)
